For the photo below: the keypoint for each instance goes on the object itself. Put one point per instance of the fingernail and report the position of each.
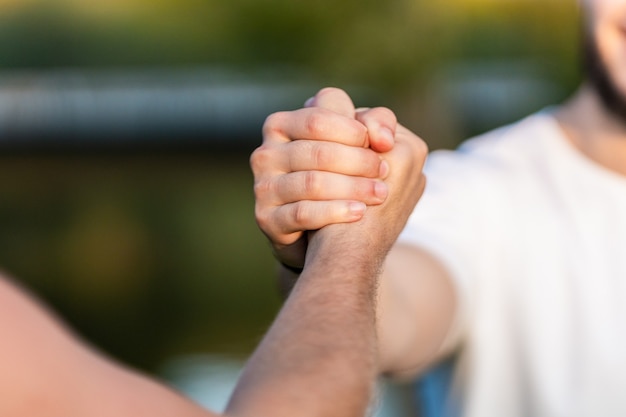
(309, 102)
(380, 190)
(386, 134)
(383, 169)
(356, 209)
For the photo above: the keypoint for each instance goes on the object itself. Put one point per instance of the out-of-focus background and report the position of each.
(125, 129)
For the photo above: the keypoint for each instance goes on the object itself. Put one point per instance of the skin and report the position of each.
(319, 358)
(414, 309)
(299, 184)
(594, 128)
(326, 335)
(356, 175)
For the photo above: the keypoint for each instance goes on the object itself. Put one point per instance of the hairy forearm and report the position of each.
(319, 358)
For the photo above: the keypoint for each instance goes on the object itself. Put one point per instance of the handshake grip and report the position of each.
(331, 164)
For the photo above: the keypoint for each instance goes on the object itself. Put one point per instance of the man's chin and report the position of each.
(599, 77)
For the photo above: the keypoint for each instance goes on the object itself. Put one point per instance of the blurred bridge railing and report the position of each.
(71, 109)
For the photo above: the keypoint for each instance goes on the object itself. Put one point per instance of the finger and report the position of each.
(290, 219)
(418, 148)
(293, 252)
(333, 99)
(381, 126)
(314, 124)
(319, 185)
(407, 158)
(305, 155)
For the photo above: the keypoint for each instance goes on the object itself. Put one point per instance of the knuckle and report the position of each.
(312, 183)
(316, 123)
(271, 226)
(421, 147)
(262, 218)
(417, 148)
(262, 188)
(274, 123)
(260, 158)
(300, 214)
(321, 156)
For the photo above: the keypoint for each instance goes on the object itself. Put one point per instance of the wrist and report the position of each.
(342, 252)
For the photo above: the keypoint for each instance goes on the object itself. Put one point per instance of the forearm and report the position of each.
(319, 358)
(47, 372)
(415, 308)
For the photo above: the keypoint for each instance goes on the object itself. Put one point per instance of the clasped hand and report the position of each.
(329, 163)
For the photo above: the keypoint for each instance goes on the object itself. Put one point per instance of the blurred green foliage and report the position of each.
(148, 257)
(388, 44)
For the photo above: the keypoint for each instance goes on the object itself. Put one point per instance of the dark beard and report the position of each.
(601, 81)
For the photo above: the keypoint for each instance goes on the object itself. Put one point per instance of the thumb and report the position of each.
(333, 99)
(381, 124)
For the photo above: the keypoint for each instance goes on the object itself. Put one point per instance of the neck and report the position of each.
(593, 130)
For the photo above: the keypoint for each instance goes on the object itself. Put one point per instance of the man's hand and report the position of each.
(317, 166)
(369, 240)
(326, 331)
